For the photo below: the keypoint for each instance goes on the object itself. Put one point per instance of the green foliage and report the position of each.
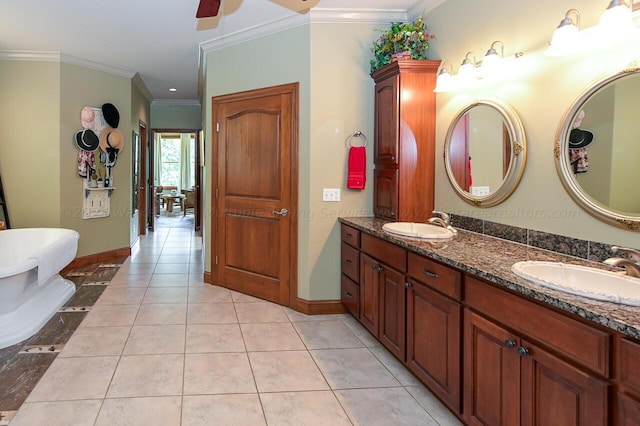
(399, 38)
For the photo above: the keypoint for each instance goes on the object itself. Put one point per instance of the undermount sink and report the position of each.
(581, 280)
(423, 231)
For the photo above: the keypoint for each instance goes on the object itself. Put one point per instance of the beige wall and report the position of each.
(30, 147)
(541, 92)
(79, 87)
(39, 114)
(176, 116)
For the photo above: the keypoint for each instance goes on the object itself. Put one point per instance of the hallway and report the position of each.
(161, 347)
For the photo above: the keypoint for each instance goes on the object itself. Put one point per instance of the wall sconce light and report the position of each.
(616, 25)
(467, 74)
(491, 64)
(616, 19)
(565, 36)
(444, 81)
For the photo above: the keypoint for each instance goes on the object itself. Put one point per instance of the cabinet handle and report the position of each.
(348, 235)
(348, 295)
(510, 343)
(430, 274)
(377, 268)
(407, 284)
(523, 351)
(348, 262)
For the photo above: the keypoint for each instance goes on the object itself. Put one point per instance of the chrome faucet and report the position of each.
(631, 266)
(441, 219)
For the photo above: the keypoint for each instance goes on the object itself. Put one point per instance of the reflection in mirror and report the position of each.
(598, 149)
(485, 152)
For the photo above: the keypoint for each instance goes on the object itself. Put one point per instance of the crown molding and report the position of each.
(422, 7)
(144, 90)
(41, 56)
(175, 102)
(315, 15)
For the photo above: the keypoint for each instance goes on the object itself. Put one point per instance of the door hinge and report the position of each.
(217, 127)
(216, 259)
(217, 193)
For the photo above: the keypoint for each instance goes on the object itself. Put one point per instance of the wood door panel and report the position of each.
(392, 311)
(369, 294)
(253, 245)
(255, 187)
(253, 137)
(555, 393)
(385, 197)
(386, 122)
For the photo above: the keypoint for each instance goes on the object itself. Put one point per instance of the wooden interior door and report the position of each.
(142, 179)
(255, 192)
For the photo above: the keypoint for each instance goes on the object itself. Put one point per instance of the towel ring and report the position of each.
(357, 134)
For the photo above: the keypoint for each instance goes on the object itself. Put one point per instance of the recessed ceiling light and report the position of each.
(173, 89)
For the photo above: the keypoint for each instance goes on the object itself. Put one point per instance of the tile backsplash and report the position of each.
(583, 249)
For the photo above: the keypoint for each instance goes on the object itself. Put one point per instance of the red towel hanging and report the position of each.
(357, 175)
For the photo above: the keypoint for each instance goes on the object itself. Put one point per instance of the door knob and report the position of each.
(282, 212)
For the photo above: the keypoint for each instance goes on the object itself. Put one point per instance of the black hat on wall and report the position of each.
(87, 140)
(111, 115)
(579, 138)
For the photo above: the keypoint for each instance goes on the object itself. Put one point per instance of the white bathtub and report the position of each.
(31, 288)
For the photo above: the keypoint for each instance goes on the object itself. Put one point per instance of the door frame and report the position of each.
(293, 90)
(142, 178)
(197, 211)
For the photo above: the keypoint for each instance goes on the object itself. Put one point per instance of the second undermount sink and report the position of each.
(424, 231)
(581, 280)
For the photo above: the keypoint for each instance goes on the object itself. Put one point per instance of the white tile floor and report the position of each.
(161, 347)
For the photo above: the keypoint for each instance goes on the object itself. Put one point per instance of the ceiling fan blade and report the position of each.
(208, 8)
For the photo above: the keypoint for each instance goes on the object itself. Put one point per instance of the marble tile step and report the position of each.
(75, 309)
(104, 273)
(20, 377)
(86, 295)
(58, 330)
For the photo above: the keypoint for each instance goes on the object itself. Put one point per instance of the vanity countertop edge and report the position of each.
(490, 259)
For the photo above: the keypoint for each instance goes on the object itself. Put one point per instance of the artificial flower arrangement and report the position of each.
(401, 40)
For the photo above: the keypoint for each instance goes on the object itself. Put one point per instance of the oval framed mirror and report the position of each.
(485, 152)
(597, 149)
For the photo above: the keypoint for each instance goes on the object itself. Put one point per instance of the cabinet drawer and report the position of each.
(350, 262)
(350, 236)
(446, 280)
(392, 255)
(579, 342)
(350, 296)
(628, 371)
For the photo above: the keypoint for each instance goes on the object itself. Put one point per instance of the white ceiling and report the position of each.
(158, 39)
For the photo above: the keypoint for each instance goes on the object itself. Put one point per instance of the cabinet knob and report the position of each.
(376, 268)
(430, 274)
(392, 214)
(510, 343)
(407, 284)
(393, 158)
(523, 351)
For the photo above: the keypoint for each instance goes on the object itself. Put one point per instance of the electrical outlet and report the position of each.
(331, 194)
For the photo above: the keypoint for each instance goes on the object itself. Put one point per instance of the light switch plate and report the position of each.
(331, 194)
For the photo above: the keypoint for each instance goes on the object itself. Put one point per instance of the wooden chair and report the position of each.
(189, 202)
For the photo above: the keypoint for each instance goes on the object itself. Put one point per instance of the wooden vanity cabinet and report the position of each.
(434, 316)
(510, 379)
(628, 378)
(350, 266)
(404, 140)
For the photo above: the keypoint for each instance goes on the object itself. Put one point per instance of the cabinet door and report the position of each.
(433, 342)
(370, 293)
(350, 295)
(628, 411)
(555, 393)
(385, 195)
(491, 373)
(392, 311)
(386, 121)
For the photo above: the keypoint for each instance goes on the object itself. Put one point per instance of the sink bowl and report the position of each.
(581, 280)
(423, 231)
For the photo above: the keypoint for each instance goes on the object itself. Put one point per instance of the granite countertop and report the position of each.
(491, 258)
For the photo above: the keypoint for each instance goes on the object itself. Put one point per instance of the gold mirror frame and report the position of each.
(561, 154)
(517, 160)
